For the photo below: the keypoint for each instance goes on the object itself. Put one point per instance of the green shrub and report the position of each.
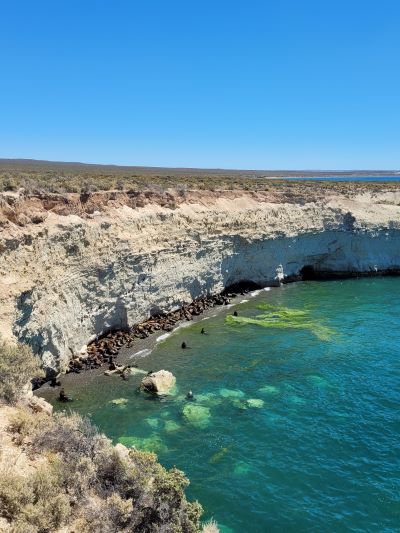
(87, 482)
(18, 366)
(14, 493)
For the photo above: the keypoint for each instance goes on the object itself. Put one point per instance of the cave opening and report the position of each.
(307, 273)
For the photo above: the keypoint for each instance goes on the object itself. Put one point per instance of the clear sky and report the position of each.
(280, 84)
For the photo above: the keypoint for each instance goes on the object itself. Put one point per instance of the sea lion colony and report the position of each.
(106, 348)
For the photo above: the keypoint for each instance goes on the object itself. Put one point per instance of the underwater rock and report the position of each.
(241, 469)
(171, 426)
(197, 415)
(255, 402)
(208, 398)
(240, 404)
(318, 381)
(296, 399)
(161, 382)
(269, 389)
(152, 422)
(231, 393)
(224, 529)
(119, 401)
(150, 444)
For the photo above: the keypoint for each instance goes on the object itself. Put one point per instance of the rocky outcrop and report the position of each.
(161, 382)
(68, 279)
(39, 405)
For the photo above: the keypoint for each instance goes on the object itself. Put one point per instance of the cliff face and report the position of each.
(68, 277)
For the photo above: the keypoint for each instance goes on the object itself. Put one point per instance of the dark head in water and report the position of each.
(203, 331)
(189, 396)
(183, 345)
(235, 313)
(63, 397)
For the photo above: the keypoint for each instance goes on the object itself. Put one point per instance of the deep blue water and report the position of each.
(296, 426)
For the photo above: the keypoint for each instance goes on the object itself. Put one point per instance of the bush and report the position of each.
(18, 366)
(14, 493)
(90, 484)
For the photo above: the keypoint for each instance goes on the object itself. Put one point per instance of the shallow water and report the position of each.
(292, 430)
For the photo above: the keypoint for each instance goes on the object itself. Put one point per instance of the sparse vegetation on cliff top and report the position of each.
(57, 177)
(18, 365)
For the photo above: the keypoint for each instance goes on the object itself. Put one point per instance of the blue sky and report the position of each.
(281, 84)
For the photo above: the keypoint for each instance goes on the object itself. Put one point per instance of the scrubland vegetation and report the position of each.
(76, 479)
(52, 177)
(18, 366)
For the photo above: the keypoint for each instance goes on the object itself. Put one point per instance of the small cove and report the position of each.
(291, 430)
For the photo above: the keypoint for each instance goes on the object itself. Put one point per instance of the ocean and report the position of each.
(295, 421)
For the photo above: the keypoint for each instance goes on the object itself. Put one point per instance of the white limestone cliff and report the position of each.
(69, 278)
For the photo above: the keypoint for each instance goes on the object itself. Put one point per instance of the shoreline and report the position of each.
(142, 348)
(131, 352)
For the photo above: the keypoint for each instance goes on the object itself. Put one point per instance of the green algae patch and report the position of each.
(278, 317)
(255, 402)
(231, 393)
(150, 444)
(171, 426)
(197, 415)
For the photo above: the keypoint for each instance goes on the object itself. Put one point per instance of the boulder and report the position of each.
(161, 382)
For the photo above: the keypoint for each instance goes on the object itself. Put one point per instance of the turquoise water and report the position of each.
(296, 425)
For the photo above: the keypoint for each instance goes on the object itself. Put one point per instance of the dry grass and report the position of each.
(86, 484)
(17, 366)
(36, 176)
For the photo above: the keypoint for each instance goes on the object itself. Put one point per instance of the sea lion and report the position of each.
(190, 396)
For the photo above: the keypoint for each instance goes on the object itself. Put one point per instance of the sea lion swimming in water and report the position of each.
(190, 396)
(203, 331)
(183, 345)
(63, 397)
(235, 313)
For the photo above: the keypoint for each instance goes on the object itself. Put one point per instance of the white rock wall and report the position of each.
(71, 279)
